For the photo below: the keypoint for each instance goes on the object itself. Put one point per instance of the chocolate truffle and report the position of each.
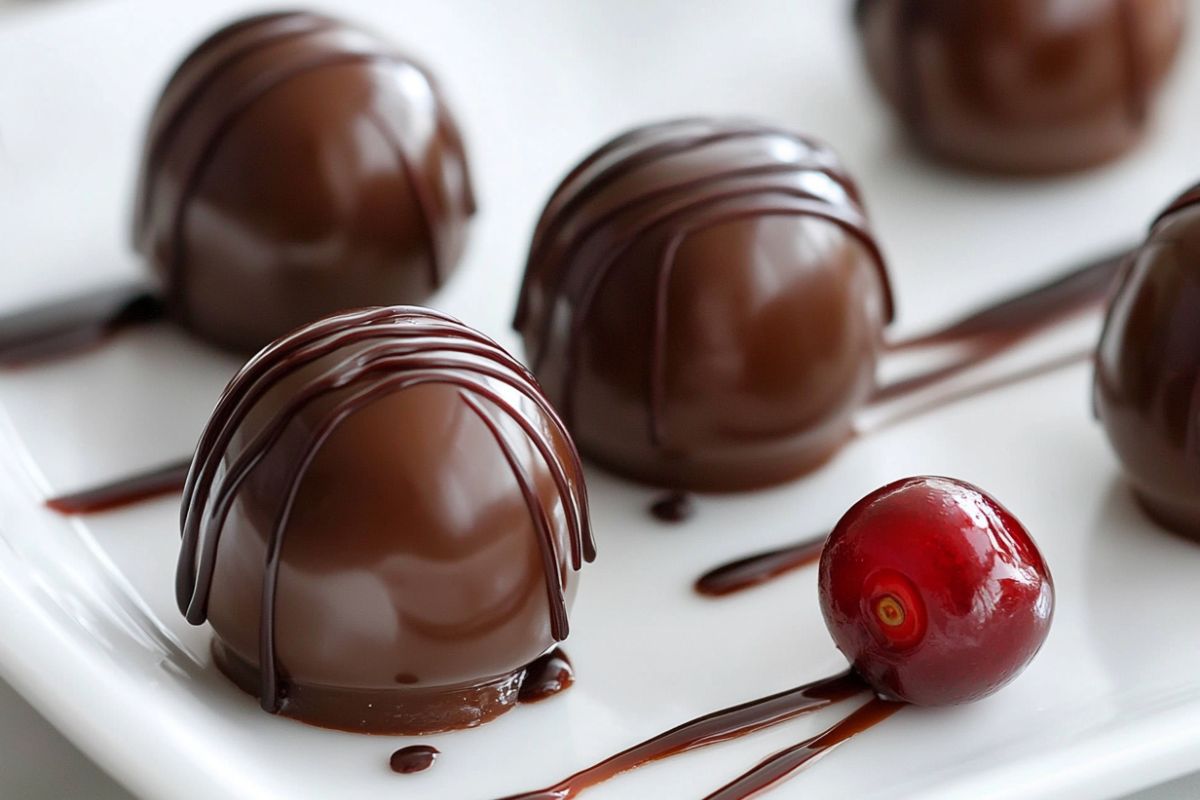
(383, 523)
(1021, 86)
(704, 303)
(1147, 390)
(294, 167)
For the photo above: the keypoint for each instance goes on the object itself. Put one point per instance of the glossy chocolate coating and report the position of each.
(704, 303)
(1021, 86)
(294, 167)
(1147, 390)
(383, 522)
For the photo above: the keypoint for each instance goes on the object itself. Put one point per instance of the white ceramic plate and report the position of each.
(88, 629)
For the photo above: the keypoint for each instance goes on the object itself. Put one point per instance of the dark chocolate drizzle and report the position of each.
(406, 347)
(330, 44)
(749, 571)
(784, 763)
(673, 507)
(719, 726)
(142, 486)
(766, 180)
(546, 677)
(63, 327)
(414, 758)
(1026, 312)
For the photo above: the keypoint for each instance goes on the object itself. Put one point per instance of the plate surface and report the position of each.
(90, 634)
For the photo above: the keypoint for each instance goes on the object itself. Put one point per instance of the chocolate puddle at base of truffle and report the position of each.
(64, 327)
(986, 333)
(546, 677)
(719, 726)
(753, 570)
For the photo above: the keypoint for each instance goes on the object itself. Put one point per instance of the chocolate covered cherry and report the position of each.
(934, 591)
(704, 301)
(1024, 86)
(383, 524)
(1147, 390)
(296, 166)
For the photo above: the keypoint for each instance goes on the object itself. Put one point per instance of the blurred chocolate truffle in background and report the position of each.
(296, 166)
(704, 303)
(383, 524)
(1147, 390)
(1021, 86)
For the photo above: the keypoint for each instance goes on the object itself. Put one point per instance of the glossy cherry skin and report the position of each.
(935, 592)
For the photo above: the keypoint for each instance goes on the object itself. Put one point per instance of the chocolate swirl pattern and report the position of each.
(306, 163)
(631, 250)
(264, 443)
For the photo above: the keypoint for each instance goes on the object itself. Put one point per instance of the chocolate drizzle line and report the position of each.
(405, 347)
(719, 726)
(759, 568)
(771, 181)
(142, 486)
(749, 571)
(168, 118)
(67, 326)
(784, 763)
(331, 44)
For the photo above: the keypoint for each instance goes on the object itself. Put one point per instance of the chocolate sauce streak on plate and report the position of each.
(784, 763)
(673, 507)
(67, 326)
(414, 758)
(759, 568)
(1084, 287)
(546, 677)
(995, 329)
(750, 571)
(142, 486)
(718, 726)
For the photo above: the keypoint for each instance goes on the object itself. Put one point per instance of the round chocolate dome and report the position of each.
(1147, 390)
(704, 303)
(296, 166)
(383, 523)
(1021, 86)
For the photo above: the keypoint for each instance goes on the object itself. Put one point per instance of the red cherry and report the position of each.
(934, 591)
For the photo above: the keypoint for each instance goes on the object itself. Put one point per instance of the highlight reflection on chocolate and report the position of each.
(382, 523)
(1024, 86)
(704, 302)
(296, 166)
(1147, 390)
